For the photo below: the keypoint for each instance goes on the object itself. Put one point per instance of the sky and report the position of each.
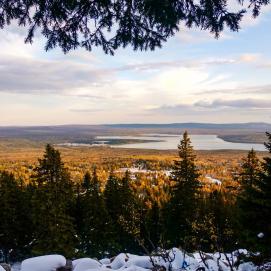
(192, 78)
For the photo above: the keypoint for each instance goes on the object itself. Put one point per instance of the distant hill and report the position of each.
(258, 126)
(253, 132)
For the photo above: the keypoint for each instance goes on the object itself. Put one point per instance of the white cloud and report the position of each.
(38, 87)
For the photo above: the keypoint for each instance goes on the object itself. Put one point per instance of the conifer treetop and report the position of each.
(108, 24)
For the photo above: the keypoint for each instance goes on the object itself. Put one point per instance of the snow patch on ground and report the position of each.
(213, 180)
(85, 264)
(175, 260)
(43, 263)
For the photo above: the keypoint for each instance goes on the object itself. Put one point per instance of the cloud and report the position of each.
(202, 106)
(196, 35)
(85, 110)
(248, 58)
(240, 90)
(188, 85)
(237, 103)
(38, 76)
(186, 63)
(170, 109)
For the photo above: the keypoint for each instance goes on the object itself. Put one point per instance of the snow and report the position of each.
(105, 261)
(119, 261)
(16, 266)
(139, 261)
(135, 170)
(1, 268)
(213, 180)
(247, 266)
(176, 260)
(43, 263)
(85, 264)
(135, 268)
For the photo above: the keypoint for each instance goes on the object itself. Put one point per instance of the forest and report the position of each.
(100, 213)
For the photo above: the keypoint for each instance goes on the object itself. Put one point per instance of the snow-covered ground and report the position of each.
(176, 260)
(213, 180)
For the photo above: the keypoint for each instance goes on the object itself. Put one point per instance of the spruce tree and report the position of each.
(129, 207)
(95, 229)
(246, 200)
(113, 203)
(250, 171)
(112, 196)
(14, 232)
(122, 206)
(52, 202)
(254, 201)
(181, 211)
(215, 228)
(263, 199)
(153, 226)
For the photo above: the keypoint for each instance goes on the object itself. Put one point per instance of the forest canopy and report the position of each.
(108, 24)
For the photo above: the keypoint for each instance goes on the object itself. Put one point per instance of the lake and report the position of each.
(167, 142)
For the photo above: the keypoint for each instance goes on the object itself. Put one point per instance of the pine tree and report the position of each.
(215, 228)
(112, 196)
(52, 202)
(153, 226)
(263, 199)
(95, 229)
(249, 179)
(15, 235)
(113, 203)
(87, 180)
(121, 204)
(254, 201)
(250, 171)
(129, 206)
(181, 209)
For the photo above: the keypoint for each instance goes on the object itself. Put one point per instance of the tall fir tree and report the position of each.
(249, 178)
(113, 203)
(14, 202)
(52, 203)
(263, 198)
(181, 210)
(153, 226)
(121, 204)
(95, 230)
(254, 202)
(130, 205)
(214, 229)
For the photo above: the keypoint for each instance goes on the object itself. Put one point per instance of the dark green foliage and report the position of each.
(246, 200)
(94, 224)
(263, 198)
(153, 227)
(142, 24)
(254, 201)
(214, 228)
(130, 206)
(87, 181)
(112, 196)
(52, 201)
(14, 227)
(113, 203)
(119, 220)
(182, 207)
(121, 206)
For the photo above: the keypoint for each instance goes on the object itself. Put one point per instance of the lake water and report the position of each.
(167, 142)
